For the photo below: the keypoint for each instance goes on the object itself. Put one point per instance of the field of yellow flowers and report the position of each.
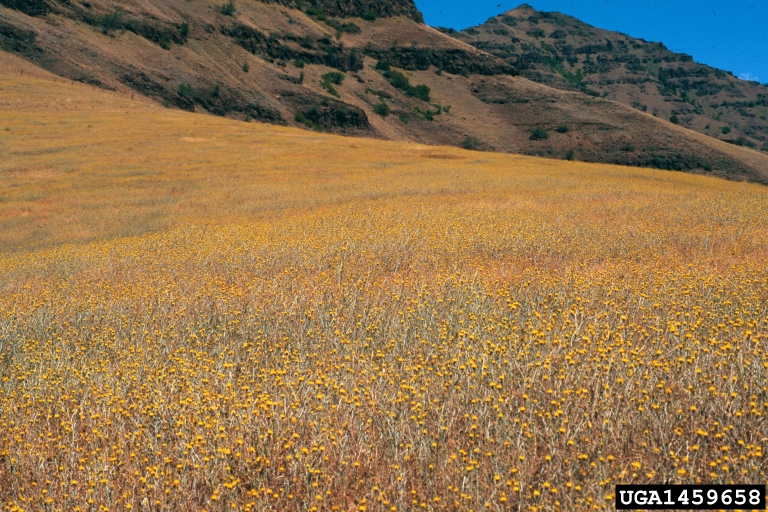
(273, 319)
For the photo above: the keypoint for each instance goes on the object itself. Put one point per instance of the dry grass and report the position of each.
(305, 322)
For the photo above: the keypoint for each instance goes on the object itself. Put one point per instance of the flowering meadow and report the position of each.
(476, 332)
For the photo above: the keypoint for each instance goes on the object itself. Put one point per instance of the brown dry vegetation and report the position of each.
(261, 318)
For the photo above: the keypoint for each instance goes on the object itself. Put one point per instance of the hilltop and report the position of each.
(563, 52)
(359, 68)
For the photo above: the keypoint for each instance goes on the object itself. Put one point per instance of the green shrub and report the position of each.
(307, 42)
(349, 27)
(165, 42)
(299, 63)
(370, 15)
(246, 67)
(301, 118)
(331, 79)
(403, 118)
(316, 13)
(674, 119)
(627, 147)
(382, 109)
(330, 88)
(334, 77)
(382, 65)
(561, 129)
(228, 8)
(470, 143)
(426, 115)
(184, 30)
(186, 91)
(539, 133)
(397, 79)
(569, 154)
(420, 91)
(706, 127)
(112, 21)
(726, 130)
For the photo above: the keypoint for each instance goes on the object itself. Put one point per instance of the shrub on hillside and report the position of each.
(397, 79)
(165, 42)
(334, 77)
(674, 119)
(112, 21)
(420, 91)
(400, 81)
(726, 130)
(228, 8)
(561, 129)
(539, 133)
(382, 109)
(331, 79)
(470, 143)
(370, 15)
(186, 91)
(316, 13)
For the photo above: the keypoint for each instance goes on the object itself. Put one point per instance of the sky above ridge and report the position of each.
(731, 35)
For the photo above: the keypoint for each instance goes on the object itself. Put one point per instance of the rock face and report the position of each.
(356, 8)
(323, 51)
(28, 7)
(452, 60)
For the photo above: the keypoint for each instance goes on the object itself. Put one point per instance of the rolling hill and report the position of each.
(361, 68)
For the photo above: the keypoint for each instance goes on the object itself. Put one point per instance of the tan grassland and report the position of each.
(204, 314)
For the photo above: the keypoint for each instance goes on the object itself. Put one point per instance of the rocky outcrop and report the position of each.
(356, 8)
(29, 7)
(212, 98)
(452, 60)
(19, 40)
(326, 114)
(322, 51)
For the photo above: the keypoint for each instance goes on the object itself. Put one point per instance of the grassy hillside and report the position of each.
(203, 314)
(566, 53)
(388, 78)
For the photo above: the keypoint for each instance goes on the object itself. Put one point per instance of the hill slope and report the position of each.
(206, 314)
(276, 63)
(566, 53)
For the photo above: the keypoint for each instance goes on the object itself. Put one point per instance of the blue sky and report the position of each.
(730, 35)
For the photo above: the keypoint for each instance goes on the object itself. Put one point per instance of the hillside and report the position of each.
(198, 313)
(387, 76)
(566, 53)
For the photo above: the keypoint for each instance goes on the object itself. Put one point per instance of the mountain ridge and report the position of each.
(389, 77)
(563, 52)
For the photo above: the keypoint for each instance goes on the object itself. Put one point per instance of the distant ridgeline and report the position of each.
(563, 52)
